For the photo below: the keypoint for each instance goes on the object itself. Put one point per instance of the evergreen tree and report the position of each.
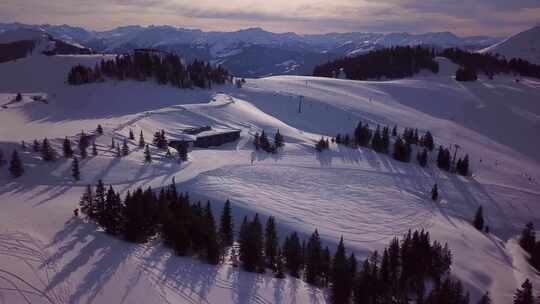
(211, 239)
(131, 136)
(113, 144)
(394, 131)
(385, 142)
(94, 149)
(99, 130)
(118, 151)
(339, 289)
(271, 244)
(435, 193)
(125, 148)
(376, 142)
(292, 250)
(278, 140)
(257, 141)
(147, 155)
(313, 259)
(402, 150)
(142, 142)
(36, 146)
(463, 166)
(100, 203)
(226, 228)
(47, 152)
(428, 141)
(87, 203)
(525, 294)
(479, 219)
(15, 165)
(112, 217)
(485, 299)
(280, 273)
(527, 239)
(66, 148)
(18, 97)
(75, 172)
(422, 158)
(535, 256)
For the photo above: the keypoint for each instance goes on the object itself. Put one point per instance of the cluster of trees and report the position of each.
(391, 63)
(490, 64)
(466, 73)
(15, 165)
(528, 242)
(142, 65)
(524, 295)
(400, 62)
(444, 162)
(379, 141)
(191, 229)
(188, 228)
(322, 144)
(261, 142)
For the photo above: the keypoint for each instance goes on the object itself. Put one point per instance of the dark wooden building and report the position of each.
(204, 137)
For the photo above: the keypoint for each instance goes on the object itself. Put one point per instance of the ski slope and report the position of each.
(47, 256)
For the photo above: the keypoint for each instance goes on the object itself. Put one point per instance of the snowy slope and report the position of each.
(46, 255)
(524, 45)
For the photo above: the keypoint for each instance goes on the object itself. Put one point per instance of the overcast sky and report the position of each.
(463, 17)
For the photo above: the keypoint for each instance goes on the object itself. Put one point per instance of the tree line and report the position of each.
(189, 228)
(406, 61)
(391, 63)
(166, 69)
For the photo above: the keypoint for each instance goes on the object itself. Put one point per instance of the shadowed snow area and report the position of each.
(47, 256)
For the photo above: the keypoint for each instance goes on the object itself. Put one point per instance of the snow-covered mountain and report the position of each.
(19, 42)
(274, 48)
(524, 45)
(49, 256)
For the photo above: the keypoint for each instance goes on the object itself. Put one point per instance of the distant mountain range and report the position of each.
(252, 52)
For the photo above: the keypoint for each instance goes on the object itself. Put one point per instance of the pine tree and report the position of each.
(212, 246)
(422, 158)
(313, 259)
(385, 142)
(292, 250)
(15, 165)
(87, 202)
(113, 144)
(94, 149)
(99, 129)
(36, 146)
(147, 155)
(376, 142)
(75, 172)
(112, 217)
(525, 294)
(226, 228)
(47, 152)
(257, 141)
(527, 239)
(463, 166)
(278, 140)
(435, 193)
(479, 219)
(182, 153)
(131, 136)
(280, 274)
(427, 141)
(485, 299)
(66, 148)
(99, 203)
(125, 148)
(339, 289)
(271, 245)
(142, 142)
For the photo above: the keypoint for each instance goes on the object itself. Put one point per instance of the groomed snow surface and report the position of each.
(48, 256)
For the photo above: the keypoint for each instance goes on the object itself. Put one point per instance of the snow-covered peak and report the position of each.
(524, 45)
